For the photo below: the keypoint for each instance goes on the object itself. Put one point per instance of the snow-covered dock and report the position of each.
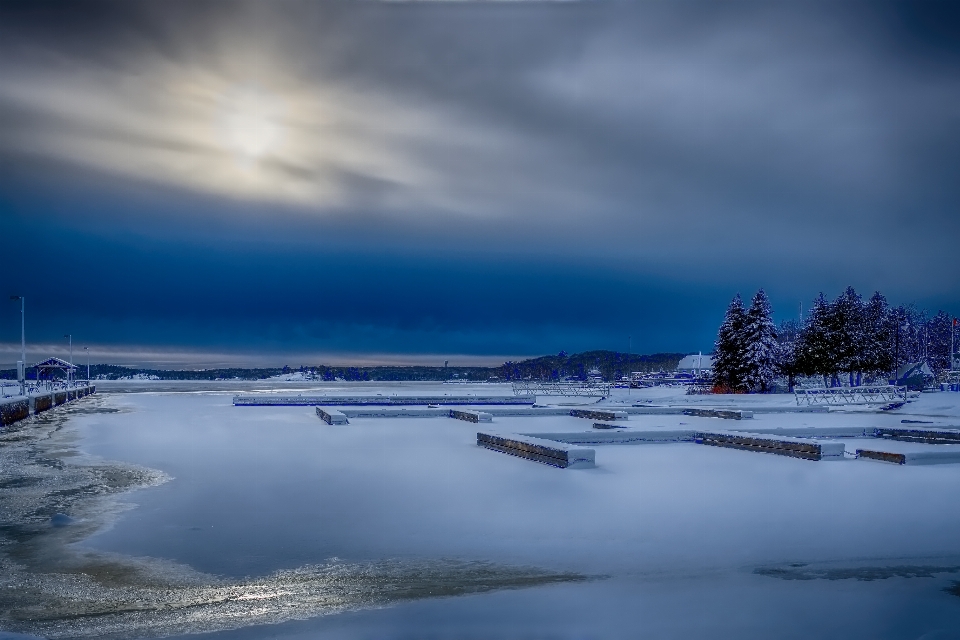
(806, 449)
(617, 437)
(680, 410)
(331, 416)
(336, 401)
(727, 414)
(598, 414)
(929, 435)
(555, 454)
(470, 416)
(945, 455)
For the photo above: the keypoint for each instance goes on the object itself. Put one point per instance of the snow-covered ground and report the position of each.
(684, 541)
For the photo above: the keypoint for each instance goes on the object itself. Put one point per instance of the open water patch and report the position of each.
(800, 571)
(53, 496)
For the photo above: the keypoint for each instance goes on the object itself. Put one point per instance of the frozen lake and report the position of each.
(661, 541)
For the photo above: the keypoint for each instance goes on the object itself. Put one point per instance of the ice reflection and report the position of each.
(52, 496)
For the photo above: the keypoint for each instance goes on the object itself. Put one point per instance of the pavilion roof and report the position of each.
(54, 363)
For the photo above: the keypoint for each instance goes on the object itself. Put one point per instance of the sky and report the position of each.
(301, 182)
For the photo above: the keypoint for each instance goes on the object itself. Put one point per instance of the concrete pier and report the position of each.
(555, 454)
(13, 409)
(17, 408)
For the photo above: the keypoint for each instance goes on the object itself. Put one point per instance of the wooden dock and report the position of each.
(928, 435)
(555, 454)
(598, 414)
(726, 414)
(805, 449)
(470, 416)
(332, 416)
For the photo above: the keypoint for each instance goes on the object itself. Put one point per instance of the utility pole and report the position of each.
(69, 337)
(87, 349)
(953, 330)
(22, 365)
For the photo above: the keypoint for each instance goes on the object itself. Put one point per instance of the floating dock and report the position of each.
(470, 416)
(661, 436)
(950, 456)
(726, 414)
(270, 400)
(598, 414)
(780, 445)
(926, 435)
(604, 425)
(332, 416)
(555, 454)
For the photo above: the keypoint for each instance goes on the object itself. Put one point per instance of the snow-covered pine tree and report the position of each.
(812, 350)
(877, 359)
(728, 357)
(761, 348)
(787, 334)
(938, 342)
(847, 335)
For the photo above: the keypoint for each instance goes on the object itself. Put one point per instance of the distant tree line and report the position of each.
(612, 365)
(851, 338)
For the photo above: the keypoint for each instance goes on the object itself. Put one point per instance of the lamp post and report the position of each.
(953, 330)
(21, 370)
(69, 337)
(87, 349)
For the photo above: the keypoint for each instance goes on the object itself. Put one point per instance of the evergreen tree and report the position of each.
(728, 358)
(812, 350)
(876, 357)
(847, 338)
(761, 348)
(787, 335)
(938, 342)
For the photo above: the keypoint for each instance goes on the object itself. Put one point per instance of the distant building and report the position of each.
(915, 375)
(695, 362)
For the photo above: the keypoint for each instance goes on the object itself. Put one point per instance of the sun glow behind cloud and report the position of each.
(253, 123)
(216, 130)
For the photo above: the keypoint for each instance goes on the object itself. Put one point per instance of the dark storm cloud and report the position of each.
(537, 159)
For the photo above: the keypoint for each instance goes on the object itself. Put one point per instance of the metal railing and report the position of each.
(544, 388)
(851, 395)
(10, 388)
